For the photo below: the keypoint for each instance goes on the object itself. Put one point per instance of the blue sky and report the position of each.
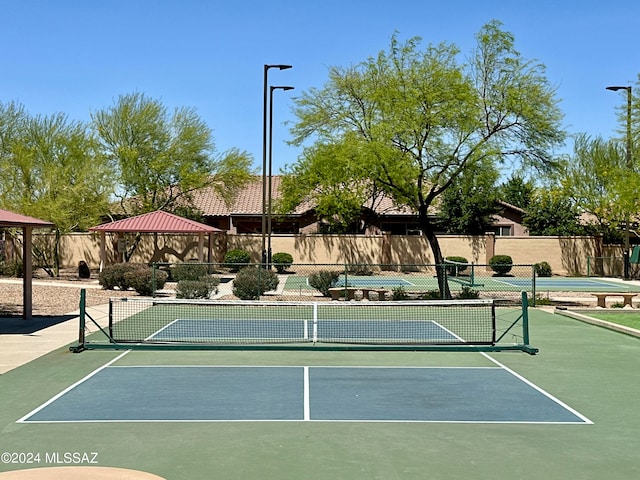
(78, 56)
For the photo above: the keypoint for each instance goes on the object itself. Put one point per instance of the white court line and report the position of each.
(68, 389)
(306, 401)
(539, 389)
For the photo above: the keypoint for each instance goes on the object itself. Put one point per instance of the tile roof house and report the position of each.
(244, 214)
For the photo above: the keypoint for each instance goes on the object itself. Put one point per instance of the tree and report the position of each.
(408, 123)
(468, 206)
(599, 181)
(52, 169)
(552, 213)
(162, 158)
(517, 191)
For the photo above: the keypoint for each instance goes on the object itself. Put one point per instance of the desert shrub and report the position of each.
(188, 271)
(431, 295)
(200, 288)
(456, 269)
(359, 269)
(501, 264)
(112, 276)
(467, 293)
(251, 282)
(542, 269)
(323, 280)
(131, 275)
(282, 261)
(236, 259)
(11, 269)
(141, 279)
(399, 293)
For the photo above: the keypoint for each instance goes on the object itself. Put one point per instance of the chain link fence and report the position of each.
(345, 282)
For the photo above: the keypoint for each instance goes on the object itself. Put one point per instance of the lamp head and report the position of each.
(616, 88)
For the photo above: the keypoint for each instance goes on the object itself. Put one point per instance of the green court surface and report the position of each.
(589, 369)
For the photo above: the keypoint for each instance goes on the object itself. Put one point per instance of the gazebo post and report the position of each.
(27, 269)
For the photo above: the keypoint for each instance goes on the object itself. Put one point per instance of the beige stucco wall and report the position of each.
(566, 255)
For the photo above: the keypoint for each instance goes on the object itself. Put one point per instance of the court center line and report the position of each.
(306, 396)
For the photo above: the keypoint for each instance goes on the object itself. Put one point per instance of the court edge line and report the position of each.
(539, 389)
(69, 388)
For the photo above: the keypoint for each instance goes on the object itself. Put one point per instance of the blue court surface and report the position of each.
(567, 284)
(166, 393)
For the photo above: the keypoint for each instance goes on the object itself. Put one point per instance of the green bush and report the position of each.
(112, 276)
(431, 295)
(131, 275)
(188, 271)
(141, 278)
(542, 269)
(200, 288)
(251, 282)
(11, 269)
(323, 280)
(399, 293)
(359, 269)
(282, 261)
(236, 259)
(468, 293)
(501, 264)
(456, 269)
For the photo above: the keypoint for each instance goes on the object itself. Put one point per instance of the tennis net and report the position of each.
(232, 322)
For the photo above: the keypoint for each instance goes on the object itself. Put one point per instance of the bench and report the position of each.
(339, 292)
(602, 298)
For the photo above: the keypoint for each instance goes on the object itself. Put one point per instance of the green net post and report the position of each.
(82, 323)
(525, 319)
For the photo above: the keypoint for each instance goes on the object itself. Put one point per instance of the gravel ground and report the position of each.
(54, 296)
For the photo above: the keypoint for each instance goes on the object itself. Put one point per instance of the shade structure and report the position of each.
(10, 219)
(155, 222)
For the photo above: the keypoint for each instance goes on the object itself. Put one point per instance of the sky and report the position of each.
(79, 56)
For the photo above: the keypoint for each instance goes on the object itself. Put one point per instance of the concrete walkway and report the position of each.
(28, 341)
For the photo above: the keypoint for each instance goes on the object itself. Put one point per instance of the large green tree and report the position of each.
(162, 157)
(52, 169)
(470, 203)
(599, 181)
(410, 121)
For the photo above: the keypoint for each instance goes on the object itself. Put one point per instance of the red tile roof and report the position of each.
(156, 222)
(249, 201)
(11, 219)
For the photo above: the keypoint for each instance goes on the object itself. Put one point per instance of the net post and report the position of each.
(82, 323)
(525, 318)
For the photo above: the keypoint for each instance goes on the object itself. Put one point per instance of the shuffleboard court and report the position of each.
(196, 393)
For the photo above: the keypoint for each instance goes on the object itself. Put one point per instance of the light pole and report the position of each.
(629, 166)
(269, 211)
(264, 156)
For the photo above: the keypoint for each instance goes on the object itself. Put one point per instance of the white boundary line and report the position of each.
(539, 389)
(68, 389)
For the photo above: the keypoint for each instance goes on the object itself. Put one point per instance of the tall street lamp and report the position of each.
(264, 156)
(629, 166)
(271, 89)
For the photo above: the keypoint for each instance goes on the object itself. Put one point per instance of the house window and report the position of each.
(504, 231)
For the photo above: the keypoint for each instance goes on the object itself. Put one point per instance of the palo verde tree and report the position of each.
(52, 169)
(410, 121)
(162, 158)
